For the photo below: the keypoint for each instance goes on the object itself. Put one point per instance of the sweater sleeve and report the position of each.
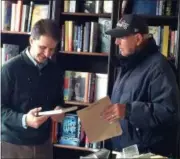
(9, 117)
(161, 110)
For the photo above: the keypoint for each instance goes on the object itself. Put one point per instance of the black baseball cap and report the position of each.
(129, 24)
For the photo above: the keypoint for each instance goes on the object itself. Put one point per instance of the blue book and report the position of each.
(145, 7)
(70, 130)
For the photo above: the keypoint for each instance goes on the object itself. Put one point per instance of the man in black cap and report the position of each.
(145, 93)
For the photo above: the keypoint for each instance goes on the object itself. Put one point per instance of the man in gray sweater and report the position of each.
(31, 82)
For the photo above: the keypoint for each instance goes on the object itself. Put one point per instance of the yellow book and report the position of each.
(70, 36)
(39, 12)
(66, 6)
(165, 41)
(66, 42)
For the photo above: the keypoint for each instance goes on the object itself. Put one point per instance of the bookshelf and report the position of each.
(89, 61)
(75, 148)
(86, 15)
(84, 61)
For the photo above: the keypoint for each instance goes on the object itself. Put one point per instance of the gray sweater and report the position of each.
(24, 87)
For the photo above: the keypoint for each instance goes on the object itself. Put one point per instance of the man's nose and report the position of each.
(48, 53)
(117, 41)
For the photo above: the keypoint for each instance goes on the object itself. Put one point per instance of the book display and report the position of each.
(86, 53)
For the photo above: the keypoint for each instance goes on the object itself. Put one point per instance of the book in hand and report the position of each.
(55, 112)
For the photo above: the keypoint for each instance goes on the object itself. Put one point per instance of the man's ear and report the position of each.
(139, 38)
(30, 40)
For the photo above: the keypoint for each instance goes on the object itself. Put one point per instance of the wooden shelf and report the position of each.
(77, 103)
(14, 33)
(161, 20)
(75, 148)
(105, 15)
(83, 53)
(83, 17)
(83, 62)
(17, 38)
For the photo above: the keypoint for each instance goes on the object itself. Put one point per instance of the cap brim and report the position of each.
(117, 33)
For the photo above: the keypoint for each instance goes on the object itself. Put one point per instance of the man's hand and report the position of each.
(114, 112)
(32, 120)
(59, 117)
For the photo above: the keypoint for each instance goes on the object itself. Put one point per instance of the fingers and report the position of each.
(110, 114)
(108, 111)
(35, 111)
(57, 108)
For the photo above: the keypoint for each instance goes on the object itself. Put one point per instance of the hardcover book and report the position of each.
(70, 130)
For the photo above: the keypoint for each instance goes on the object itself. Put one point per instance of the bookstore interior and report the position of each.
(87, 55)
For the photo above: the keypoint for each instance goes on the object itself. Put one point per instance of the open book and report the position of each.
(55, 112)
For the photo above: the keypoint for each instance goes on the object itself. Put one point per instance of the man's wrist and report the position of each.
(24, 123)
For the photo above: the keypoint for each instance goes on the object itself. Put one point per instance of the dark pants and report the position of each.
(11, 151)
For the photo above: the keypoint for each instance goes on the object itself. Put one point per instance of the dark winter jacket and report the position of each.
(24, 87)
(147, 85)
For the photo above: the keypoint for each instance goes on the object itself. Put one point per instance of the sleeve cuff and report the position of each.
(24, 121)
(128, 111)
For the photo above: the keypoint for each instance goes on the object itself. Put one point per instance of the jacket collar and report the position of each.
(138, 56)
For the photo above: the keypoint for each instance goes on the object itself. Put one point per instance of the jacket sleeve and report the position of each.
(161, 111)
(9, 117)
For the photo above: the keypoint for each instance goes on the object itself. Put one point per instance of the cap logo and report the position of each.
(122, 24)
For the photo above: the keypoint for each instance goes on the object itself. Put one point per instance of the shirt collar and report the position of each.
(39, 65)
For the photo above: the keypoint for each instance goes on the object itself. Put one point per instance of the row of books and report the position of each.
(84, 86)
(152, 7)
(17, 16)
(89, 6)
(20, 17)
(86, 37)
(156, 7)
(78, 86)
(70, 132)
(165, 38)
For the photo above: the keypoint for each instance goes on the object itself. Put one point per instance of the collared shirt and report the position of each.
(39, 65)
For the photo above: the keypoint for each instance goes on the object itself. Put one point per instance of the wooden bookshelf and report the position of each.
(78, 14)
(14, 32)
(77, 103)
(83, 53)
(75, 148)
(88, 61)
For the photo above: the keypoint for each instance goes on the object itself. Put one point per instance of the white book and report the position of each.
(13, 17)
(24, 10)
(55, 112)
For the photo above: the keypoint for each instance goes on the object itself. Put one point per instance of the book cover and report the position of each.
(39, 12)
(70, 130)
(104, 39)
(10, 51)
(145, 7)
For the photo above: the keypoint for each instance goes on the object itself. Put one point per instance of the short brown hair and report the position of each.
(46, 27)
